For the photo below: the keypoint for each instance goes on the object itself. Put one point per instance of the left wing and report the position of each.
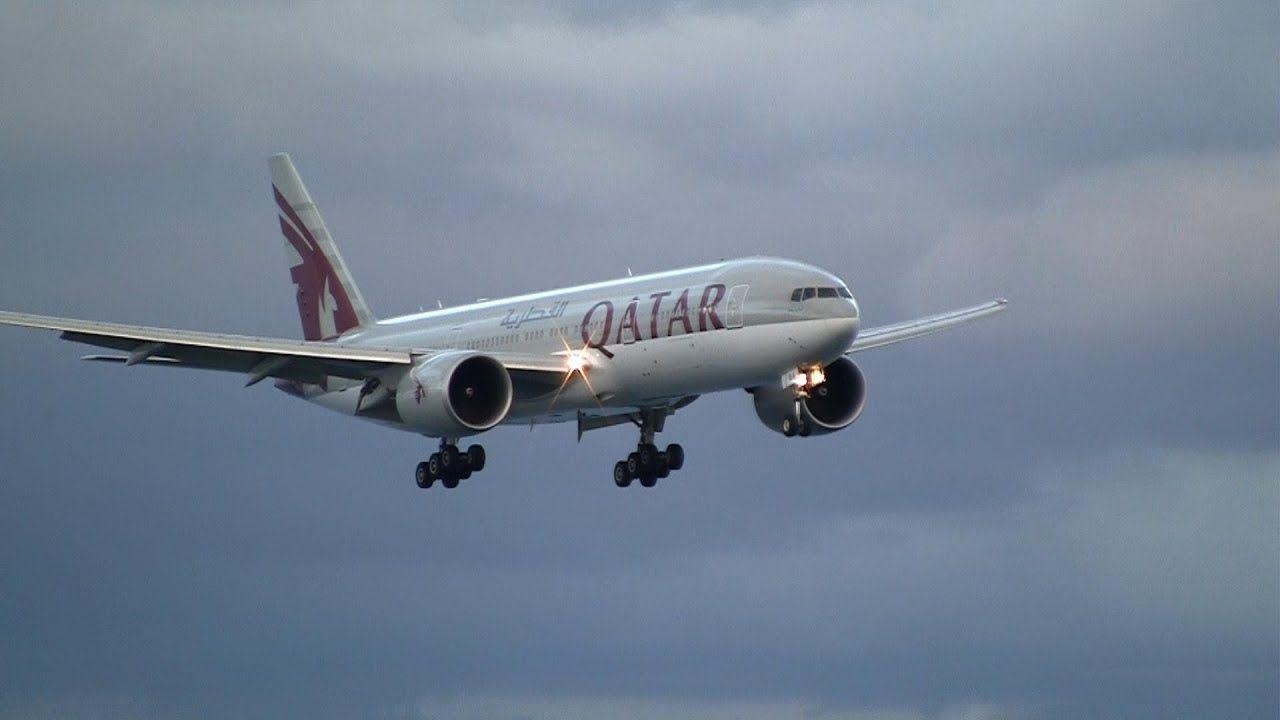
(889, 334)
(257, 357)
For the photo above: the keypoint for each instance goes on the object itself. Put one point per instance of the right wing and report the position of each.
(257, 357)
(889, 334)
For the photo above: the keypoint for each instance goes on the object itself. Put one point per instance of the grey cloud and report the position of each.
(1065, 511)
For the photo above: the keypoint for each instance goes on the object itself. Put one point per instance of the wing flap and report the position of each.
(889, 334)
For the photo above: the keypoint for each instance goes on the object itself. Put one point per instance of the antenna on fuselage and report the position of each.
(629, 273)
(439, 305)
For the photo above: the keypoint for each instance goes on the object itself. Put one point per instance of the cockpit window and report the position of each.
(800, 294)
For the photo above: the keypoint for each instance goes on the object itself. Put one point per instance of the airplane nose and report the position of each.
(851, 309)
(845, 320)
(843, 330)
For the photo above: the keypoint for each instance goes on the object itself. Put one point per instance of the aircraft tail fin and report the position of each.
(329, 303)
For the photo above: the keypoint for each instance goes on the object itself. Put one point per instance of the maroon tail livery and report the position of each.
(329, 303)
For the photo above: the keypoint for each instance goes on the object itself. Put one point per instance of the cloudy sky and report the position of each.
(1072, 510)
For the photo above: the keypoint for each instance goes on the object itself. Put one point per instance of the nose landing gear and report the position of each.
(449, 465)
(648, 464)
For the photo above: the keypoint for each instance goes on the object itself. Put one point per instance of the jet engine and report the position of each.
(454, 394)
(830, 404)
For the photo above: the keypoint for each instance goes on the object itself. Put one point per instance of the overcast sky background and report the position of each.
(1071, 510)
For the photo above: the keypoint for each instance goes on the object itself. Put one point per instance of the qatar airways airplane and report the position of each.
(632, 350)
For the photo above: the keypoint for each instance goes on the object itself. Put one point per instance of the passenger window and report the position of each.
(809, 293)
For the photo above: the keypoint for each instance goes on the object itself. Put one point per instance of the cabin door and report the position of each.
(735, 307)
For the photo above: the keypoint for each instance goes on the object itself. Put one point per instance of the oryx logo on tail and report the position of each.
(323, 303)
(329, 303)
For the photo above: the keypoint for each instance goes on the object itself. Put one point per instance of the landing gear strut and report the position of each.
(794, 423)
(449, 465)
(647, 464)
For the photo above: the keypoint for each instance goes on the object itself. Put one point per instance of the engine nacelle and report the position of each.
(830, 406)
(454, 394)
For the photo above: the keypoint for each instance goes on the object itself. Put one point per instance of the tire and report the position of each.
(450, 482)
(664, 466)
(633, 465)
(789, 426)
(621, 476)
(423, 475)
(450, 460)
(805, 429)
(465, 473)
(648, 480)
(433, 466)
(648, 458)
(675, 456)
(475, 454)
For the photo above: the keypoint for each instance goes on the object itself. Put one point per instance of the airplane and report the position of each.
(632, 350)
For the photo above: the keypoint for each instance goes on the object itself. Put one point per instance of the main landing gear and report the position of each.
(449, 465)
(647, 464)
(794, 424)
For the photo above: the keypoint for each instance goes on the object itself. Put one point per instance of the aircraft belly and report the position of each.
(664, 369)
(341, 397)
(737, 358)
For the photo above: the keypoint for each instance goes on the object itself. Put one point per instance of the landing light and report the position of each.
(817, 377)
(577, 361)
(805, 380)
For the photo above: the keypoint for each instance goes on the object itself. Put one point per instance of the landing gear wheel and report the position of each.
(647, 463)
(449, 465)
(805, 429)
(475, 455)
(648, 457)
(789, 424)
(621, 475)
(675, 456)
(450, 460)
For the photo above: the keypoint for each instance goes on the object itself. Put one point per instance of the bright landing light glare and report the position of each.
(804, 380)
(577, 361)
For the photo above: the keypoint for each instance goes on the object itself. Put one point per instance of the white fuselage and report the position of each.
(647, 340)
